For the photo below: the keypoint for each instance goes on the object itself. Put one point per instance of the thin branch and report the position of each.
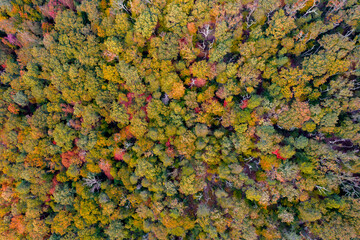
(312, 9)
(206, 30)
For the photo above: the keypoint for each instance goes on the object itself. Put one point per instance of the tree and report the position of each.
(146, 22)
(164, 47)
(131, 76)
(64, 136)
(182, 119)
(89, 210)
(175, 17)
(61, 222)
(190, 183)
(280, 25)
(295, 117)
(64, 194)
(21, 99)
(118, 114)
(116, 230)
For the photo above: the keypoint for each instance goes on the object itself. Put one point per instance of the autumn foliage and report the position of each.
(179, 119)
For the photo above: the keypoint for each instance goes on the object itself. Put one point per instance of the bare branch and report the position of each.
(120, 5)
(93, 183)
(312, 9)
(211, 44)
(206, 30)
(322, 190)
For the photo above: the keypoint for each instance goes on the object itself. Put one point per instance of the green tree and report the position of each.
(64, 136)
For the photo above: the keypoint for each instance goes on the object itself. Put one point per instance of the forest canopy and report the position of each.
(179, 119)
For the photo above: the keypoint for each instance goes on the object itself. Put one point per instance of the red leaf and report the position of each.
(168, 144)
(148, 99)
(54, 183)
(106, 167)
(130, 96)
(200, 82)
(119, 154)
(244, 104)
(276, 152)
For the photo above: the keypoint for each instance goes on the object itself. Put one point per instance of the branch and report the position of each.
(312, 9)
(119, 5)
(206, 30)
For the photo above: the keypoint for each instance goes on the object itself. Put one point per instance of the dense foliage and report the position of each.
(181, 119)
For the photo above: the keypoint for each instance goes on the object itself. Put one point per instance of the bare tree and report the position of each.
(312, 9)
(206, 30)
(165, 99)
(93, 183)
(120, 5)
